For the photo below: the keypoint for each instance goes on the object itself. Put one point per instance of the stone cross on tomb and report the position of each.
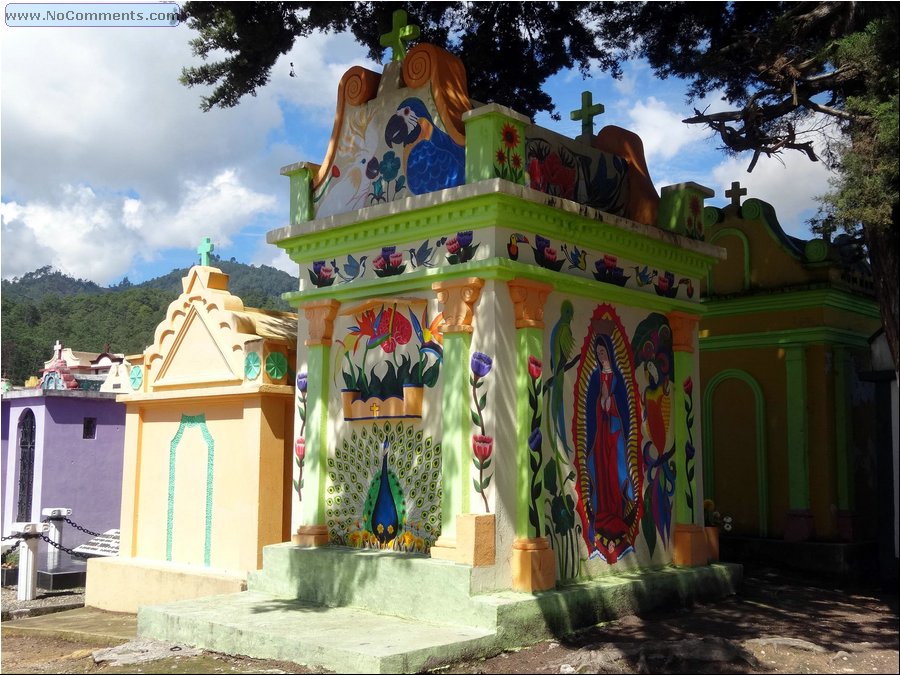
(400, 32)
(57, 350)
(204, 249)
(735, 193)
(588, 111)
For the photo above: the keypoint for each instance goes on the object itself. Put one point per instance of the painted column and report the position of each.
(690, 539)
(27, 589)
(312, 530)
(533, 561)
(301, 175)
(495, 144)
(843, 471)
(798, 524)
(457, 297)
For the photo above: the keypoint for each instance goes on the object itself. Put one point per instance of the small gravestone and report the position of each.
(103, 545)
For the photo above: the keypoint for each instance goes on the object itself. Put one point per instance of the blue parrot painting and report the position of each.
(433, 160)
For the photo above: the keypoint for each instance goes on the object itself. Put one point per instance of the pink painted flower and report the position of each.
(325, 273)
(688, 386)
(550, 254)
(535, 174)
(610, 261)
(379, 263)
(300, 448)
(396, 259)
(534, 368)
(452, 245)
(482, 446)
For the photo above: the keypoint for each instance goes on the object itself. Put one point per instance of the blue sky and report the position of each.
(109, 169)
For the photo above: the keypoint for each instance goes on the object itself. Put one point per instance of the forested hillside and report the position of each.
(45, 306)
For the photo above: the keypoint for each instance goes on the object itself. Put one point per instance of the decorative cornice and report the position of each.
(790, 301)
(684, 329)
(784, 339)
(320, 314)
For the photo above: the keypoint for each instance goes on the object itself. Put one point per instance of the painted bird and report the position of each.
(562, 342)
(644, 276)
(433, 161)
(353, 268)
(384, 510)
(577, 257)
(425, 254)
(657, 407)
(513, 246)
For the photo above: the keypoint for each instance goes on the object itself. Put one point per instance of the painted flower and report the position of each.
(695, 206)
(550, 254)
(379, 263)
(453, 245)
(396, 259)
(400, 330)
(301, 382)
(482, 446)
(541, 242)
(464, 238)
(535, 174)
(516, 161)
(390, 165)
(562, 513)
(688, 386)
(501, 157)
(534, 368)
(481, 364)
(372, 169)
(335, 171)
(300, 448)
(535, 439)
(510, 136)
(610, 261)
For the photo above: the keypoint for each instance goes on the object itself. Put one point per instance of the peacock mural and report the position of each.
(384, 489)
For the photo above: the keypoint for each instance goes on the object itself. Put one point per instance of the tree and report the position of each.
(815, 77)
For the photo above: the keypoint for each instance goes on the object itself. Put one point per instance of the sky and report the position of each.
(109, 169)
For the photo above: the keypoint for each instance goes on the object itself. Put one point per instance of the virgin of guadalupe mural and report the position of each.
(607, 439)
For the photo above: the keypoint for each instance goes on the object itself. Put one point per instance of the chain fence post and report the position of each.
(28, 557)
(55, 517)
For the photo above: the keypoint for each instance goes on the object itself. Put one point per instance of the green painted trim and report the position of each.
(797, 427)
(845, 496)
(731, 232)
(488, 204)
(529, 342)
(783, 339)
(188, 421)
(456, 431)
(495, 269)
(817, 298)
(315, 464)
(762, 463)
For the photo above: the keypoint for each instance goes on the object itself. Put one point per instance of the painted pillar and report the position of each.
(55, 517)
(799, 521)
(301, 175)
(533, 561)
(27, 589)
(690, 539)
(312, 530)
(843, 471)
(458, 298)
(495, 144)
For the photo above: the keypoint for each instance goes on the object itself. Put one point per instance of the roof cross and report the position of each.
(204, 249)
(735, 193)
(588, 111)
(400, 32)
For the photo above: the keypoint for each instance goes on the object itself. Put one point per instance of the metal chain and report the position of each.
(83, 529)
(9, 551)
(62, 548)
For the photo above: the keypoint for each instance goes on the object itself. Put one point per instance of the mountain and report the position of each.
(44, 306)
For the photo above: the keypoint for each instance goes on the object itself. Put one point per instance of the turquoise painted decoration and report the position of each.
(204, 249)
(136, 377)
(276, 365)
(252, 366)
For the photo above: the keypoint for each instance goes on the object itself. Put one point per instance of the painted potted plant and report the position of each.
(714, 521)
(394, 385)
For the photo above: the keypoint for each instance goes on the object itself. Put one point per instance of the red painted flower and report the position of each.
(688, 386)
(399, 327)
(452, 245)
(501, 157)
(610, 261)
(550, 254)
(300, 448)
(396, 259)
(695, 206)
(482, 446)
(379, 263)
(325, 273)
(335, 171)
(516, 162)
(534, 368)
(510, 136)
(535, 174)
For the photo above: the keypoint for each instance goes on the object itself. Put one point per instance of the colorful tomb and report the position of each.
(206, 479)
(788, 426)
(62, 445)
(497, 338)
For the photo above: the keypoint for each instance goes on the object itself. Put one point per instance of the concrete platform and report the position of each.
(84, 624)
(371, 614)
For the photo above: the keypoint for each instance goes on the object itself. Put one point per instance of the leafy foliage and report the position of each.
(45, 306)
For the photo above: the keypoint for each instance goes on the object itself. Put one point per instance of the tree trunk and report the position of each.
(884, 253)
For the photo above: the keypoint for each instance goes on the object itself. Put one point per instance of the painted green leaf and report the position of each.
(276, 365)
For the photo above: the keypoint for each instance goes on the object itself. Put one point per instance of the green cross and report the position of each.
(400, 32)
(204, 249)
(735, 193)
(589, 110)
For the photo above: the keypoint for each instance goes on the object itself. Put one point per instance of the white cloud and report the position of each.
(661, 129)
